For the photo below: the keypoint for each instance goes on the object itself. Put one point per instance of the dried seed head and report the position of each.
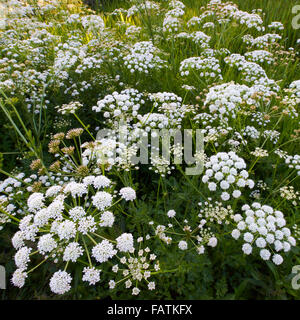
(73, 133)
(83, 171)
(36, 164)
(68, 150)
(55, 166)
(54, 146)
(59, 136)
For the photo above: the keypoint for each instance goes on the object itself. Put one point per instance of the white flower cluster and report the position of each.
(251, 72)
(176, 12)
(208, 69)
(252, 132)
(272, 135)
(215, 212)
(142, 7)
(251, 20)
(103, 251)
(293, 162)
(260, 56)
(136, 267)
(125, 105)
(208, 25)
(109, 152)
(154, 121)
(259, 152)
(128, 194)
(170, 105)
(171, 24)
(93, 23)
(263, 227)
(228, 12)
(65, 215)
(295, 86)
(91, 275)
(276, 25)
(201, 39)
(194, 21)
(142, 58)
(133, 31)
(186, 233)
(71, 107)
(226, 99)
(289, 193)
(71, 213)
(60, 282)
(226, 172)
(261, 42)
(176, 4)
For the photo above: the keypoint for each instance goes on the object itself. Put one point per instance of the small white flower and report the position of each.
(213, 241)
(171, 213)
(277, 259)
(151, 285)
(128, 194)
(102, 200)
(135, 291)
(111, 284)
(60, 282)
(72, 252)
(101, 182)
(103, 251)
(236, 193)
(18, 278)
(107, 219)
(125, 242)
(247, 248)
(265, 254)
(248, 237)
(91, 275)
(235, 234)
(225, 196)
(260, 242)
(182, 245)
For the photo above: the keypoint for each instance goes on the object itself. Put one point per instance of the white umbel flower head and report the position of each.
(18, 240)
(182, 245)
(277, 259)
(18, 278)
(213, 241)
(60, 282)
(128, 194)
(235, 234)
(35, 202)
(77, 213)
(66, 230)
(151, 285)
(107, 219)
(125, 242)
(103, 251)
(91, 275)
(72, 252)
(171, 213)
(46, 243)
(53, 191)
(102, 200)
(247, 248)
(76, 189)
(22, 257)
(265, 254)
(101, 182)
